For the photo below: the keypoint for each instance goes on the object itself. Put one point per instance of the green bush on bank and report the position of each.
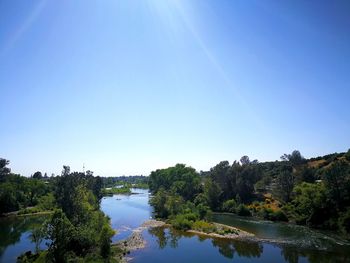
(114, 191)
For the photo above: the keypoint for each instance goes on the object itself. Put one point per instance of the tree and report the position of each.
(337, 180)
(60, 231)
(212, 192)
(347, 155)
(245, 160)
(105, 241)
(284, 184)
(3, 169)
(181, 180)
(37, 175)
(295, 158)
(310, 204)
(158, 202)
(36, 236)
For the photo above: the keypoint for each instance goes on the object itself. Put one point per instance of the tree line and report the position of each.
(313, 192)
(77, 229)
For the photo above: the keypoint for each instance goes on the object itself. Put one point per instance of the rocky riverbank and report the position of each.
(234, 233)
(135, 240)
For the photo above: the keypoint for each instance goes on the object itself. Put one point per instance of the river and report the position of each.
(279, 242)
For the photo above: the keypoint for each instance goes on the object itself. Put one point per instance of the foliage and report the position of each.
(184, 221)
(309, 203)
(229, 206)
(243, 210)
(60, 231)
(115, 190)
(19, 192)
(204, 226)
(284, 185)
(212, 193)
(181, 180)
(36, 236)
(295, 158)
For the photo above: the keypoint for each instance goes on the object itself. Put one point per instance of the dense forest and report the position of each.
(313, 192)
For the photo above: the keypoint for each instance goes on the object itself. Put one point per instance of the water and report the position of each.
(284, 233)
(282, 242)
(14, 236)
(127, 211)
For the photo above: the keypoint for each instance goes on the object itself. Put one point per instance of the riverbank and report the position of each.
(136, 241)
(18, 214)
(233, 233)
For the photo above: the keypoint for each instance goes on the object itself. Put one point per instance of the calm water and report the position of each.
(127, 211)
(301, 245)
(14, 236)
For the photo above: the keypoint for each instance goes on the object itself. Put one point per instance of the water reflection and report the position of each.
(261, 252)
(14, 233)
(227, 248)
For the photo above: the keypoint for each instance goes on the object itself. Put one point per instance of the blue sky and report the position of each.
(126, 87)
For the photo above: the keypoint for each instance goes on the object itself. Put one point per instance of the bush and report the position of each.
(242, 210)
(30, 210)
(269, 214)
(181, 222)
(203, 211)
(47, 202)
(344, 222)
(279, 216)
(229, 206)
(184, 221)
(204, 226)
(105, 240)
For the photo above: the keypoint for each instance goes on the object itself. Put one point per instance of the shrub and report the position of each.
(242, 210)
(204, 226)
(47, 202)
(279, 216)
(30, 210)
(229, 206)
(181, 222)
(344, 222)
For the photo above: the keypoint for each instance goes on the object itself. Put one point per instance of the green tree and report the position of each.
(158, 201)
(60, 231)
(36, 236)
(3, 169)
(284, 185)
(37, 175)
(310, 204)
(295, 158)
(212, 193)
(105, 241)
(337, 180)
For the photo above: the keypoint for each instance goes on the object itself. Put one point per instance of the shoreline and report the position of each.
(136, 241)
(15, 214)
(239, 233)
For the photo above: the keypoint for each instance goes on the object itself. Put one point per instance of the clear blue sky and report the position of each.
(127, 87)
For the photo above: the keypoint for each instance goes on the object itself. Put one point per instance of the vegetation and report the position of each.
(136, 181)
(314, 192)
(18, 192)
(77, 231)
(115, 190)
